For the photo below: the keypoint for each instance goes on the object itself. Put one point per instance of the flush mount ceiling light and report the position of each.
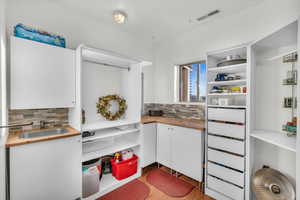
(119, 16)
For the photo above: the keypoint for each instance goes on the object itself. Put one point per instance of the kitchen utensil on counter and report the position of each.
(88, 134)
(156, 113)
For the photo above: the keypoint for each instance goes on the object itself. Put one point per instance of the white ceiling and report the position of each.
(158, 18)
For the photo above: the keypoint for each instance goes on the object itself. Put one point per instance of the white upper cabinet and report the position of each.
(41, 75)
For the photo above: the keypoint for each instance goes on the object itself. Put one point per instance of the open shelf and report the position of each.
(229, 69)
(229, 106)
(109, 183)
(233, 82)
(276, 138)
(107, 124)
(109, 133)
(227, 94)
(117, 146)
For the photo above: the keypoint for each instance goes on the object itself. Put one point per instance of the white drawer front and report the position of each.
(226, 174)
(230, 115)
(225, 144)
(235, 162)
(229, 130)
(227, 189)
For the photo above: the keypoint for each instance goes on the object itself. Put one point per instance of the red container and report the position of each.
(125, 168)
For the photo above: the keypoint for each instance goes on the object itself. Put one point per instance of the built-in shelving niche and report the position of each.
(100, 73)
(236, 99)
(270, 145)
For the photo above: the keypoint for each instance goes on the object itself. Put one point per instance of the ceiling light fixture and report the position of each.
(119, 16)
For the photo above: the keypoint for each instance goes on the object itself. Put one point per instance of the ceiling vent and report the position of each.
(208, 15)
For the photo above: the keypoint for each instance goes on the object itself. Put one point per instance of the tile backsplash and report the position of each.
(188, 111)
(57, 117)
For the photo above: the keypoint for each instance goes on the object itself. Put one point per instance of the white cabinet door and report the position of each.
(46, 170)
(164, 133)
(41, 75)
(187, 151)
(149, 144)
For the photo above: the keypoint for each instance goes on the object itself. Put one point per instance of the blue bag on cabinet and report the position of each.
(39, 36)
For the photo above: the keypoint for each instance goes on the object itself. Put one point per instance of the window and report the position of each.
(192, 82)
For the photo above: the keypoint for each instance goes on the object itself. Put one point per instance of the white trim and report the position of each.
(181, 103)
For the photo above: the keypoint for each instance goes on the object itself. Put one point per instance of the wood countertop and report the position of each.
(14, 139)
(187, 123)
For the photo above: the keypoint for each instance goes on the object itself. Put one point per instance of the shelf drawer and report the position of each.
(229, 115)
(229, 130)
(226, 174)
(235, 162)
(225, 144)
(224, 188)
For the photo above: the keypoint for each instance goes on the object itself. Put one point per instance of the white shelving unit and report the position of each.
(228, 69)
(234, 106)
(110, 133)
(107, 124)
(108, 183)
(276, 138)
(227, 94)
(100, 73)
(225, 140)
(233, 82)
(270, 145)
(116, 147)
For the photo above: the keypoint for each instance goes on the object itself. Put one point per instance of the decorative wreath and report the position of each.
(103, 106)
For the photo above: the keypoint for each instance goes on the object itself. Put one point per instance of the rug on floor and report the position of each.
(134, 190)
(168, 184)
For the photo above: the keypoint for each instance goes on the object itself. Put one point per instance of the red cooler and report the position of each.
(125, 168)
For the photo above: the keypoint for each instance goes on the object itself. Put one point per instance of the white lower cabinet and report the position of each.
(46, 170)
(149, 144)
(187, 148)
(180, 149)
(164, 133)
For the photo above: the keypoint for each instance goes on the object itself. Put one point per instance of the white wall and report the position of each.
(77, 28)
(3, 111)
(248, 25)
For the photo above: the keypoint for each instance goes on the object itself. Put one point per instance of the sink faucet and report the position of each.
(43, 123)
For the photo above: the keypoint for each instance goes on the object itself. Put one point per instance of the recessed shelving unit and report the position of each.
(270, 144)
(225, 115)
(101, 73)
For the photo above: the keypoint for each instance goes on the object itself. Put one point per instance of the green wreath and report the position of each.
(103, 106)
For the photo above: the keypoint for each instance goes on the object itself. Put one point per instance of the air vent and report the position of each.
(208, 15)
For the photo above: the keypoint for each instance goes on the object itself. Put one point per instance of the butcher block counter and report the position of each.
(187, 123)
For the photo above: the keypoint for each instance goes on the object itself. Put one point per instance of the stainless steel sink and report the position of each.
(43, 133)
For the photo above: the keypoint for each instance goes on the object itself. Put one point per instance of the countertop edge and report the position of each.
(186, 123)
(14, 136)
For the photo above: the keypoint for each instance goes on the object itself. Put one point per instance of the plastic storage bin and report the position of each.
(91, 175)
(125, 168)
